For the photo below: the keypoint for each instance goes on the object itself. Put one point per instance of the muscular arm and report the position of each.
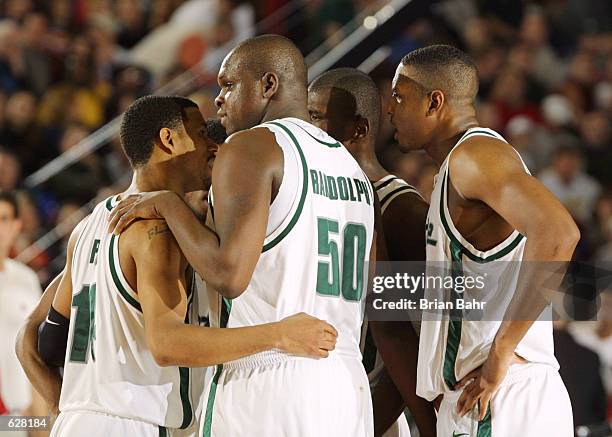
(45, 379)
(489, 171)
(162, 290)
(243, 175)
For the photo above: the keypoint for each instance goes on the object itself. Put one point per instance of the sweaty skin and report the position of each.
(490, 195)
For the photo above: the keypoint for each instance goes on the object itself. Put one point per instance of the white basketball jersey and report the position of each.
(451, 347)
(109, 367)
(320, 231)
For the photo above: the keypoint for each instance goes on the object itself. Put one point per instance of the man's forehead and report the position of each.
(406, 76)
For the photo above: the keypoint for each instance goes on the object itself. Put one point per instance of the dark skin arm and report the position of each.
(489, 171)
(162, 289)
(387, 402)
(397, 342)
(46, 380)
(247, 168)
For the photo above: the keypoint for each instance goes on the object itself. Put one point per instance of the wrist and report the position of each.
(502, 349)
(168, 202)
(275, 339)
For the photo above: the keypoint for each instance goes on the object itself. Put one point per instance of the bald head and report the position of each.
(445, 68)
(272, 54)
(350, 94)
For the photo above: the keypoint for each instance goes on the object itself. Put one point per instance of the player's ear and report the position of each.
(166, 142)
(362, 128)
(269, 82)
(436, 100)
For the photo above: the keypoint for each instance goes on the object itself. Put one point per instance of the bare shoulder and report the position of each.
(484, 154)
(251, 149)
(255, 138)
(151, 238)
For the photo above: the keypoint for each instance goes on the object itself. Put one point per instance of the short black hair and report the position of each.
(360, 87)
(10, 198)
(445, 67)
(215, 130)
(143, 120)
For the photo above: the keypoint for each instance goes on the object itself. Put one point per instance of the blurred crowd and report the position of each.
(68, 67)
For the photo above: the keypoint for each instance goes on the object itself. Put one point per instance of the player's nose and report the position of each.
(219, 101)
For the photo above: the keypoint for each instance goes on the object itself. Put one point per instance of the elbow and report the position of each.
(563, 239)
(231, 288)
(162, 355)
(23, 348)
(566, 238)
(161, 349)
(230, 280)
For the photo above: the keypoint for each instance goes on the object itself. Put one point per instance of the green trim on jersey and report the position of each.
(501, 251)
(485, 428)
(226, 308)
(185, 401)
(110, 201)
(126, 295)
(206, 429)
(331, 145)
(162, 431)
(453, 337)
(298, 211)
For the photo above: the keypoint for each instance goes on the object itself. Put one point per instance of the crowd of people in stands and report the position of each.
(68, 67)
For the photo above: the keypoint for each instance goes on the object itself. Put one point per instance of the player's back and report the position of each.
(313, 260)
(109, 367)
(320, 230)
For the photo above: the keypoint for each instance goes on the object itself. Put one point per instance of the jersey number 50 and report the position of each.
(353, 258)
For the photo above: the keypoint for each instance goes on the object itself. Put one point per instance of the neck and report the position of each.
(293, 106)
(154, 178)
(363, 152)
(443, 142)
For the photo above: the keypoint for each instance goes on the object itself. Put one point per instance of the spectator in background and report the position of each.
(573, 187)
(597, 336)
(19, 294)
(31, 230)
(22, 134)
(10, 170)
(597, 136)
(580, 370)
(80, 181)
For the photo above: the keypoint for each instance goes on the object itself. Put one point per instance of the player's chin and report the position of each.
(404, 143)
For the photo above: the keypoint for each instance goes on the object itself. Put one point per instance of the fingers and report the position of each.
(468, 378)
(322, 353)
(117, 212)
(330, 329)
(468, 399)
(125, 219)
(327, 345)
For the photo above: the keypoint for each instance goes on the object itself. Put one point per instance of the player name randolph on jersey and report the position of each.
(339, 187)
(428, 304)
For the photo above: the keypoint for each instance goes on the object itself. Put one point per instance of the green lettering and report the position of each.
(315, 181)
(342, 188)
(332, 189)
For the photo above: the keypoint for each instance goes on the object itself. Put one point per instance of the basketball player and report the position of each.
(345, 103)
(294, 215)
(132, 301)
(496, 378)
